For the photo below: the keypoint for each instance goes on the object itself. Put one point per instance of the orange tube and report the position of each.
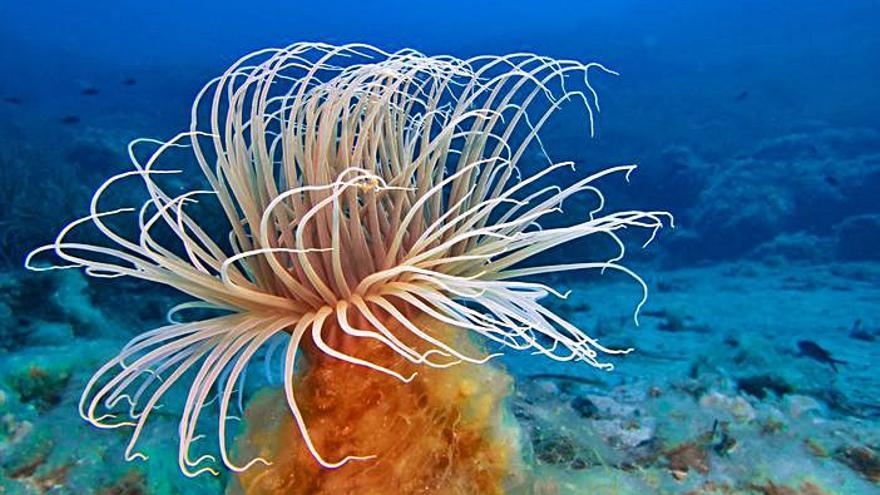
(441, 433)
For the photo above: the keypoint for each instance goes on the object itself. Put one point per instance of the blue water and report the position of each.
(755, 123)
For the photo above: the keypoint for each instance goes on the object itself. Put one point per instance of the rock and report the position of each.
(737, 406)
(722, 441)
(585, 407)
(15, 430)
(858, 238)
(28, 456)
(771, 488)
(688, 456)
(852, 142)
(49, 333)
(610, 408)
(795, 247)
(52, 479)
(624, 434)
(861, 459)
(10, 323)
(859, 332)
(784, 148)
(688, 172)
(578, 464)
(740, 210)
(40, 386)
(815, 448)
(765, 197)
(91, 157)
(758, 385)
(554, 448)
(799, 405)
(72, 298)
(808, 488)
(131, 483)
(773, 423)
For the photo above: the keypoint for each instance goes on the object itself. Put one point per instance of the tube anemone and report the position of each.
(364, 193)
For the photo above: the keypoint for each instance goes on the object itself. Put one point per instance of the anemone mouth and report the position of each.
(358, 188)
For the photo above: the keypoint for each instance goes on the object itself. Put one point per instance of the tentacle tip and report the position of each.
(346, 460)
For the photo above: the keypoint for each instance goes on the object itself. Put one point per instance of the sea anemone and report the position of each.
(365, 198)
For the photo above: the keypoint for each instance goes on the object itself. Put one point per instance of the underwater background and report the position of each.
(755, 123)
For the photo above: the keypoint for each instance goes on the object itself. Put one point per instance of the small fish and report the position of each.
(129, 81)
(741, 97)
(814, 351)
(69, 120)
(13, 100)
(832, 180)
(90, 91)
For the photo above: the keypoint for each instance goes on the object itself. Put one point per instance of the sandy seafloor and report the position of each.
(714, 400)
